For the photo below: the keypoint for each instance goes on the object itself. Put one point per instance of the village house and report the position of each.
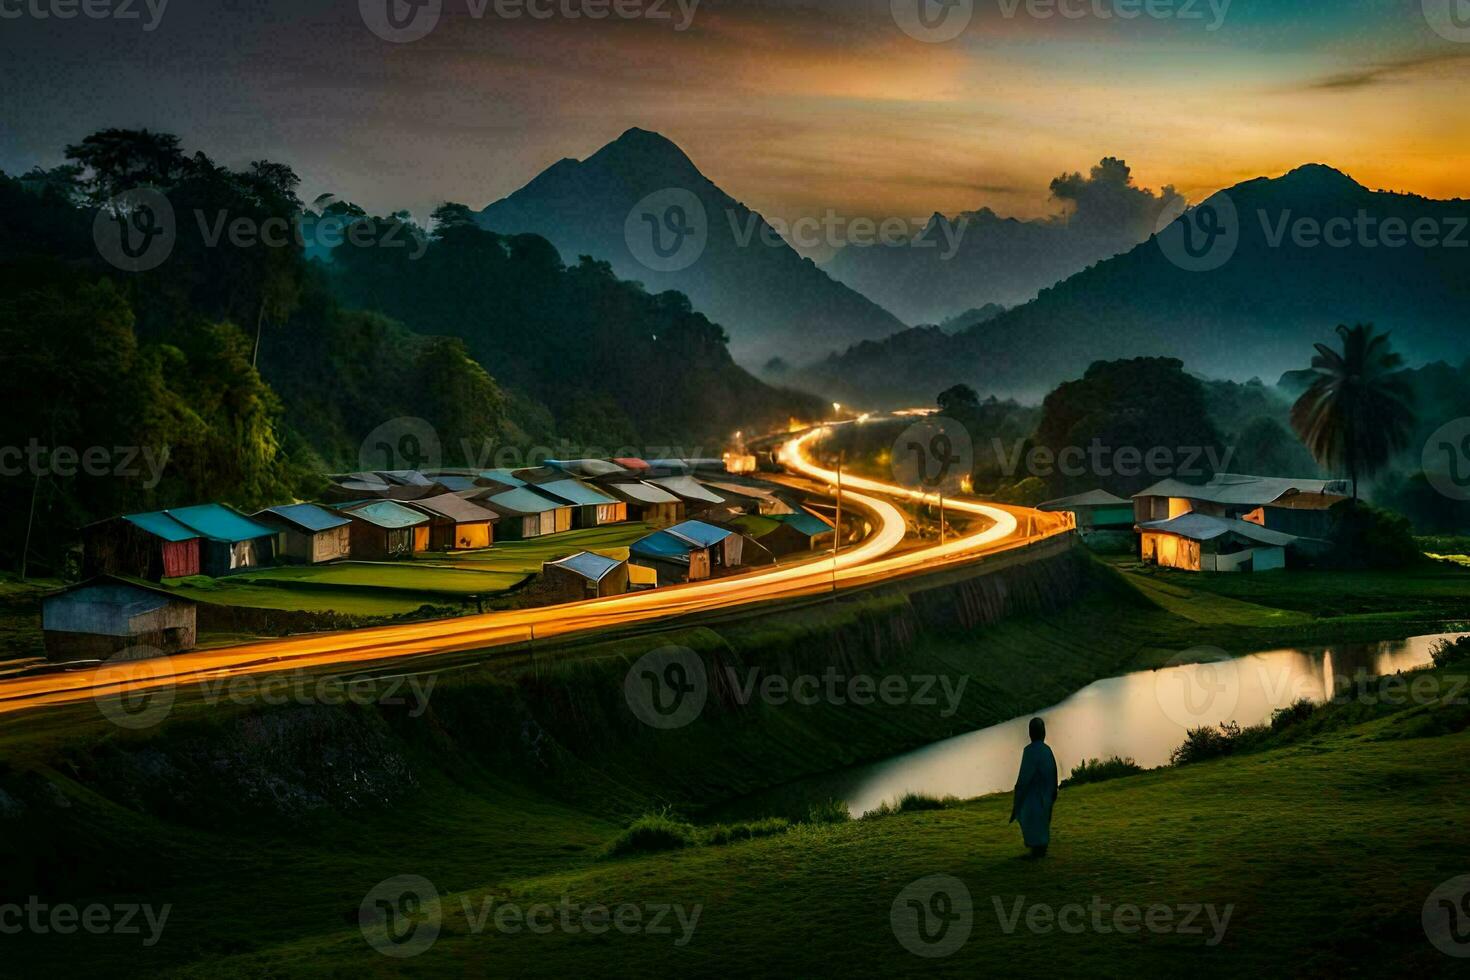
(455, 524)
(763, 501)
(585, 575)
(106, 616)
(787, 534)
(1299, 507)
(307, 533)
(648, 503)
(1104, 521)
(229, 541)
(526, 514)
(384, 530)
(688, 552)
(1197, 542)
(593, 507)
(148, 546)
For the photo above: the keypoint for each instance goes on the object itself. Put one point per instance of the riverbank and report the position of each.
(265, 824)
(1315, 859)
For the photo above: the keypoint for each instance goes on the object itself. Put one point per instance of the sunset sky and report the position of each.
(794, 107)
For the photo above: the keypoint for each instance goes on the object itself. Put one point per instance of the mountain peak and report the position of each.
(644, 148)
(1320, 177)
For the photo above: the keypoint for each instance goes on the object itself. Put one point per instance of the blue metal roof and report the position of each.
(588, 565)
(700, 534)
(160, 525)
(662, 544)
(576, 492)
(308, 517)
(218, 523)
(457, 483)
(805, 523)
(505, 476)
(523, 502)
(385, 513)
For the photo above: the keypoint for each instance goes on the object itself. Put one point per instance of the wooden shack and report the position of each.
(647, 503)
(526, 514)
(593, 507)
(307, 533)
(585, 575)
(384, 530)
(148, 546)
(105, 616)
(229, 541)
(456, 524)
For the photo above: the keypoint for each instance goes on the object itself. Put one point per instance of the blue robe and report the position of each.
(1036, 791)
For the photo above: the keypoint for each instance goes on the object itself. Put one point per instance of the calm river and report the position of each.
(1143, 716)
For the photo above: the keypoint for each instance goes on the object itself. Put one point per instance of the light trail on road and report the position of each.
(866, 563)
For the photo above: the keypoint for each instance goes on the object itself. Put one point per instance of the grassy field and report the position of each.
(527, 557)
(1313, 860)
(264, 829)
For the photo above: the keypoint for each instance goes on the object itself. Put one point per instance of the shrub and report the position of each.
(1364, 536)
(1101, 770)
(1447, 652)
(911, 803)
(829, 811)
(1213, 742)
(654, 832)
(729, 834)
(1284, 718)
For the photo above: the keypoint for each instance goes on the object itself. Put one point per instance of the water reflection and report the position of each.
(1143, 716)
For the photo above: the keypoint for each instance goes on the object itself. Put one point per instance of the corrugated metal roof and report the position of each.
(503, 476)
(219, 523)
(587, 467)
(407, 478)
(643, 493)
(741, 490)
(1238, 489)
(522, 502)
(805, 523)
(1203, 527)
(160, 525)
(456, 483)
(387, 514)
(308, 517)
(588, 565)
(687, 487)
(576, 492)
(700, 534)
(454, 507)
(1092, 498)
(662, 544)
(632, 463)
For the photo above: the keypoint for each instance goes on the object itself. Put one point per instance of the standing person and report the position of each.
(1036, 791)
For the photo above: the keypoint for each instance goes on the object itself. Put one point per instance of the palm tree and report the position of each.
(1358, 411)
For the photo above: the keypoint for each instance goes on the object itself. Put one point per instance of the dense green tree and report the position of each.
(1356, 414)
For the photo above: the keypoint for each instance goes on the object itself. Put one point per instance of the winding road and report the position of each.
(881, 556)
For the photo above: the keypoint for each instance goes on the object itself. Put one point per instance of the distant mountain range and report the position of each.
(1242, 285)
(642, 205)
(978, 258)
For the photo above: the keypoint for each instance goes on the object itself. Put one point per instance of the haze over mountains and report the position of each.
(1005, 261)
(1296, 256)
(642, 192)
